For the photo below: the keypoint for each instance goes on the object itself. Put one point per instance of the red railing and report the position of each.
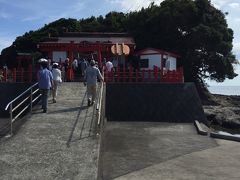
(150, 75)
(19, 75)
(119, 75)
(29, 75)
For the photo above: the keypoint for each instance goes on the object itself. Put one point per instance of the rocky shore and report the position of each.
(223, 112)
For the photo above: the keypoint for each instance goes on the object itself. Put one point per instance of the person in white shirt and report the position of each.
(75, 66)
(91, 76)
(109, 66)
(56, 80)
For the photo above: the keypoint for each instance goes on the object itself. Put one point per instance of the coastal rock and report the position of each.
(226, 114)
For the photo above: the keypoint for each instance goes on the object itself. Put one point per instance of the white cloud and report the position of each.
(50, 14)
(5, 41)
(221, 3)
(236, 49)
(234, 5)
(133, 4)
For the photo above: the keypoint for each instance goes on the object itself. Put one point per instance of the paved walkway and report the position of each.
(166, 151)
(58, 145)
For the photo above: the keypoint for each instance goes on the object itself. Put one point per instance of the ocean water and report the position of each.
(225, 90)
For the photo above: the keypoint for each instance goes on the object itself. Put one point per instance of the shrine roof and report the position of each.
(106, 38)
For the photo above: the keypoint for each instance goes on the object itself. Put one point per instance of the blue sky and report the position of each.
(20, 16)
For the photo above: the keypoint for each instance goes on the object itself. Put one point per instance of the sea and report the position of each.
(225, 90)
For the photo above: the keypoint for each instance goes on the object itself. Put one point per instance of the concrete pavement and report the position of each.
(62, 144)
(58, 145)
(166, 151)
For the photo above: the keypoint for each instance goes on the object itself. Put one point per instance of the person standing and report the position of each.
(66, 69)
(84, 66)
(44, 82)
(75, 66)
(91, 76)
(109, 66)
(56, 80)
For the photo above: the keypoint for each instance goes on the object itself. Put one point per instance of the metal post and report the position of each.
(11, 120)
(31, 98)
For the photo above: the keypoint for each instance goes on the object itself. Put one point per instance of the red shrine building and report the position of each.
(148, 64)
(95, 46)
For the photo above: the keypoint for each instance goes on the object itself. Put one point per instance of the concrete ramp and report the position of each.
(159, 102)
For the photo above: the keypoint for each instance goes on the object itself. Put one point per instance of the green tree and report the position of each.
(194, 29)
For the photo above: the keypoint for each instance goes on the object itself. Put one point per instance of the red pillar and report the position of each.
(5, 74)
(14, 74)
(30, 72)
(149, 74)
(50, 54)
(124, 74)
(136, 75)
(130, 73)
(71, 58)
(21, 74)
(99, 56)
(161, 70)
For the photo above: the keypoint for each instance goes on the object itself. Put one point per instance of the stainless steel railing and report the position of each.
(99, 104)
(30, 92)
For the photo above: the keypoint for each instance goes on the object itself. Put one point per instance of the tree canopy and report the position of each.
(195, 29)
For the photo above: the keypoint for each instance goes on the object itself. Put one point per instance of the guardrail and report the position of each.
(99, 101)
(12, 108)
(144, 75)
(99, 104)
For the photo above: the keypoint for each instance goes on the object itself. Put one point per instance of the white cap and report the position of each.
(55, 64)
(42, 60)
(92, 62)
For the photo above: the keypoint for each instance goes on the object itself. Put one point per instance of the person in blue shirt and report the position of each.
(45, 81)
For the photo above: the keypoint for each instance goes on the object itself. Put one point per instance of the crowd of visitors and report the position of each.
(50, 75)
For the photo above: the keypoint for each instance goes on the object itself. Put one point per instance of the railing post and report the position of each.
(31, 98)
(11, 126)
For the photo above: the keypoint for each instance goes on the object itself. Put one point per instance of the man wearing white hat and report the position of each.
(44, 82)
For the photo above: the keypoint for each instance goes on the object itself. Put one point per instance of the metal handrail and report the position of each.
(12, 109)
(99, 104)
(20, 95)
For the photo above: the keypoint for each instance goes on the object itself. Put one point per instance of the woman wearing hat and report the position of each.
(56, 80)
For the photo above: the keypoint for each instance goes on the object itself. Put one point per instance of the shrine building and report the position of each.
(88, 45)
